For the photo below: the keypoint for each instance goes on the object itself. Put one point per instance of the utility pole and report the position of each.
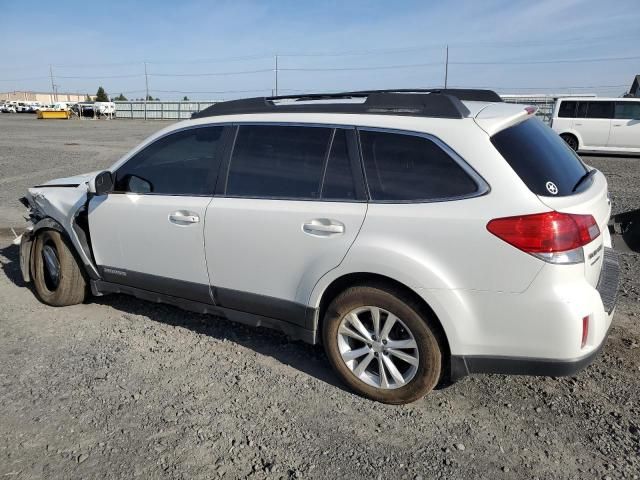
(276, 72)
(146, 96)
(53, 87)
(446, 68)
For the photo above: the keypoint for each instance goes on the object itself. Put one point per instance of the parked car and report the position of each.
(418, 236)
(8, 108)
(22, 107)
(34, 106)
(104, 108)
(599, 124)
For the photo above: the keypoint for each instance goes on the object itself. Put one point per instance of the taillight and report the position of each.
(554, 237)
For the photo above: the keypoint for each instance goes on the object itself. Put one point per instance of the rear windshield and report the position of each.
(541, 158)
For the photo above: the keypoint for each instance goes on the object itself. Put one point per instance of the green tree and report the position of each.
(101, 95)
(87, 98)
(185, 99)
(149, 98)
(121, 98)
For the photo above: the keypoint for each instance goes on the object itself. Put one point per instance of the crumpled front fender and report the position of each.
(74, 234)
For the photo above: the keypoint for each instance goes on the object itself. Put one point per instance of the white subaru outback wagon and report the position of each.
(420, 235)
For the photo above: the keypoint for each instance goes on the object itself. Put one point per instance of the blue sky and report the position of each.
(322, 46)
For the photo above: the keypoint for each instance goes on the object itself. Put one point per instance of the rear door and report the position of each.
(593, 122)
(149, 232)
(290, 205)
(553, 172)
(625, 126)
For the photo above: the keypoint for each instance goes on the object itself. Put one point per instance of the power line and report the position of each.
(541, 62)
(348, 69)
(244, 72)
(100, 77)
(214, 92)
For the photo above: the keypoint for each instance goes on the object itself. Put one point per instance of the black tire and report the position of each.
(570, 140)
(420, 326)
(69, 286)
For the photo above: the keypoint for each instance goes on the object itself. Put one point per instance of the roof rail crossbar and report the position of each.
(442, 103)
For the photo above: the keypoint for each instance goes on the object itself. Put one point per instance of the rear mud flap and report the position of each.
(625, 231)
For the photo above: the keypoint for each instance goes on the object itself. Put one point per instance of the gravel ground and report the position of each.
(124, 388)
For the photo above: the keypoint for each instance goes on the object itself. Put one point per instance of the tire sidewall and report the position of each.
(70, 276)
(430, 353)
(571, 141)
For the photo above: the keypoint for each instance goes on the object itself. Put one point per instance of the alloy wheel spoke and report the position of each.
(393, 370)
(408, 343)
(375, 317)
(384, 382)
(410, 359)
(355, 321)
(388, 325)
(357, 353)
(364, 363)
(344, 330)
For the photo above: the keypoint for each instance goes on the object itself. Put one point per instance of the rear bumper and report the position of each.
(462, 366)
(607, 289)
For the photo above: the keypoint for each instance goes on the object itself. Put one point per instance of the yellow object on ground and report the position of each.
(45, 114)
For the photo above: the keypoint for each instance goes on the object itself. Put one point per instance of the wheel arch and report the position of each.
(49, 223)
(574, 134)
(370, 279)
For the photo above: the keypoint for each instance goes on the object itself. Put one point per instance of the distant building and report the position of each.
(42, 97)
(635, 87)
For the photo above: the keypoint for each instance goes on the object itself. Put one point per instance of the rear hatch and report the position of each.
(562, 182)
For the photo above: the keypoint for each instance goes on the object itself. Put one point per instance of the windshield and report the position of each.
(541, 158)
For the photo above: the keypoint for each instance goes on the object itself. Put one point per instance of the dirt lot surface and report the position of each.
(121, 388)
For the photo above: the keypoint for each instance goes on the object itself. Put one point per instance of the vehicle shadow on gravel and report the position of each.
(308, 359)
(11, 268)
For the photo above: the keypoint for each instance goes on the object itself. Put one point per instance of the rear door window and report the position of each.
(541, 158)
(602, 110)
(339, 177)
(272, 161)
(403, 167)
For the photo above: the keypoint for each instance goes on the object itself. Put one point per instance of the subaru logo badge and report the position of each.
(552, 188)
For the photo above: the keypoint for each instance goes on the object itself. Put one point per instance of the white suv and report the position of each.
(420, 236)
(599, 124)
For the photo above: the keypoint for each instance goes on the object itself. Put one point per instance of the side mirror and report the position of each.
(102, 183)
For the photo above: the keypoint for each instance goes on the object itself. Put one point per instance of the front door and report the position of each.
(149, 233)
(293, 204)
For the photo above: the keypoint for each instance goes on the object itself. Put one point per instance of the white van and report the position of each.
(598, 124)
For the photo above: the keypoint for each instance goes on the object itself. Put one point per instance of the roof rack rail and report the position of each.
(441, 103)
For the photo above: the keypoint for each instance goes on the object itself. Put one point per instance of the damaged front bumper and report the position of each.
(57, 207)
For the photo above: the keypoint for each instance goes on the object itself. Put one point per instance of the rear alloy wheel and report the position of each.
(381, 345)
(56, 275)
(570, 140)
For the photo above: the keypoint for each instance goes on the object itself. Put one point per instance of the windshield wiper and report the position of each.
(584, 178)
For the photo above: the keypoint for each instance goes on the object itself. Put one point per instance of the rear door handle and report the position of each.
(182, 217)
(323, 227)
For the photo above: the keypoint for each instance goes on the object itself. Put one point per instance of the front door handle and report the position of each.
(182, 217)
(323, 227)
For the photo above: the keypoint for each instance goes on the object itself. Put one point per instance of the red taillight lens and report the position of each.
(549, 232)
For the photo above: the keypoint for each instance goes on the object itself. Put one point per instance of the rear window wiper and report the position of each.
(584, 178)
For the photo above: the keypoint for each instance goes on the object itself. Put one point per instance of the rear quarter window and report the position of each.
(540, 157)
(411, 168)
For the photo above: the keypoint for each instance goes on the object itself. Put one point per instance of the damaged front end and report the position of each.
(59, 205)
